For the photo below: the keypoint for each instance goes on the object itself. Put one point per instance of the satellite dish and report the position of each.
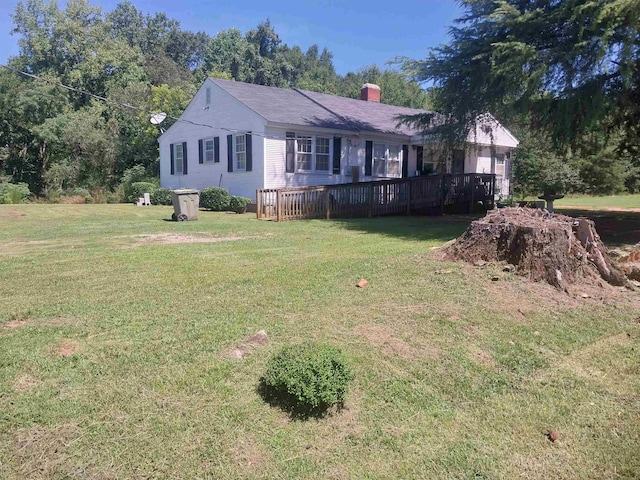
(158, 118)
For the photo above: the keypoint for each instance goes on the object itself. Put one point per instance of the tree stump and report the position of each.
(558, 249)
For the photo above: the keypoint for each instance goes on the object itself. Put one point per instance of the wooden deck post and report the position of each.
(409, 197)
(327, 204)
(371, 199)
(473, 189)
(259, 203)
(279, 206)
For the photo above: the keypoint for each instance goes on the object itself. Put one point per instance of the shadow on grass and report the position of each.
(616, 228)
(413, 227)
(288, 403)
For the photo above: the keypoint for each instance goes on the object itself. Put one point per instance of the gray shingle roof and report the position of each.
(304, 108)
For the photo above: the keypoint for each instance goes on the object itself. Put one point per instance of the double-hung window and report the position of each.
(304, 154)
(208, 150)
(379, 159)
(387, 160)
(312, 154)
(178, 158)
(394, 161)
(241, 152)
(323, 147)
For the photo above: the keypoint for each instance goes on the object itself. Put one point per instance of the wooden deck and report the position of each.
(434, 195)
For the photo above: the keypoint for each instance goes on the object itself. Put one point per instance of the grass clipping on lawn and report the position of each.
(558, 249)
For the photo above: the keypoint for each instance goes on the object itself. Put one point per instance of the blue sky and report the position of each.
(358, 32)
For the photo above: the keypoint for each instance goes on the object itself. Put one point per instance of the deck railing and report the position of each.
(429, 194)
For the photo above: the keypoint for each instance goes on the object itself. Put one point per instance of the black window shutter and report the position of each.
(248, 139)
(184, 158)
(290, 165)
(200, 152)
(173, 169)
(368, 158)
(405, 161)
(337, 153)
(229, 153)
(216, 149)
(420, 158)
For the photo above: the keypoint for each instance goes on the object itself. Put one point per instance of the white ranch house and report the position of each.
(242, 137)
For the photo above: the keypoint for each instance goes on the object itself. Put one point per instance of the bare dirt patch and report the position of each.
(248, 345)
(15, 214)
(16, 324)
(246, 454)
(176, 238)
(52, 322)
(483, 358)
(557, 249)
(471, 330)
(41, 452)
(25, 382)
(66, 349)
(383, 338)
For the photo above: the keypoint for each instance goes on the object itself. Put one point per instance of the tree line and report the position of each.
(55, 139)
(563, 75)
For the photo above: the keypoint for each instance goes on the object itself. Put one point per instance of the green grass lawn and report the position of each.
(457, 376)
(604, 202)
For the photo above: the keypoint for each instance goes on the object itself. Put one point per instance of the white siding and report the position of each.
(489, 131)
(479, 159)
(275, 163)
(352, 154)
(224, 112)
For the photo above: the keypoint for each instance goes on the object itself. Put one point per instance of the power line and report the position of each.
(133, 107)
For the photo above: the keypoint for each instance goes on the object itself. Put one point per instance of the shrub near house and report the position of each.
(239, 204)
(214, 198)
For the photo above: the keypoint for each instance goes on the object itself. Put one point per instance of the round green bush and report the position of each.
(138, 189)
(214, 198)
(239, 204)
(161, 196)
(315, 376)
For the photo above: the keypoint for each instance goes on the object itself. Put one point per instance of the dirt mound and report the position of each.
(630, 263)
(249, 344)
(558, 249)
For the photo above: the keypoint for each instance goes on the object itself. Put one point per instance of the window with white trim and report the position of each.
(387, 160)
(178, 158)
(240, 152)
(304, 154)
(313, 154)
(208, 150)
(323, 148)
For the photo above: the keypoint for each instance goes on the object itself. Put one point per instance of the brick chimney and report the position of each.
(370, 92)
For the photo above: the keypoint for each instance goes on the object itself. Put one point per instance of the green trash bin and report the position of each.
(185, 204)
